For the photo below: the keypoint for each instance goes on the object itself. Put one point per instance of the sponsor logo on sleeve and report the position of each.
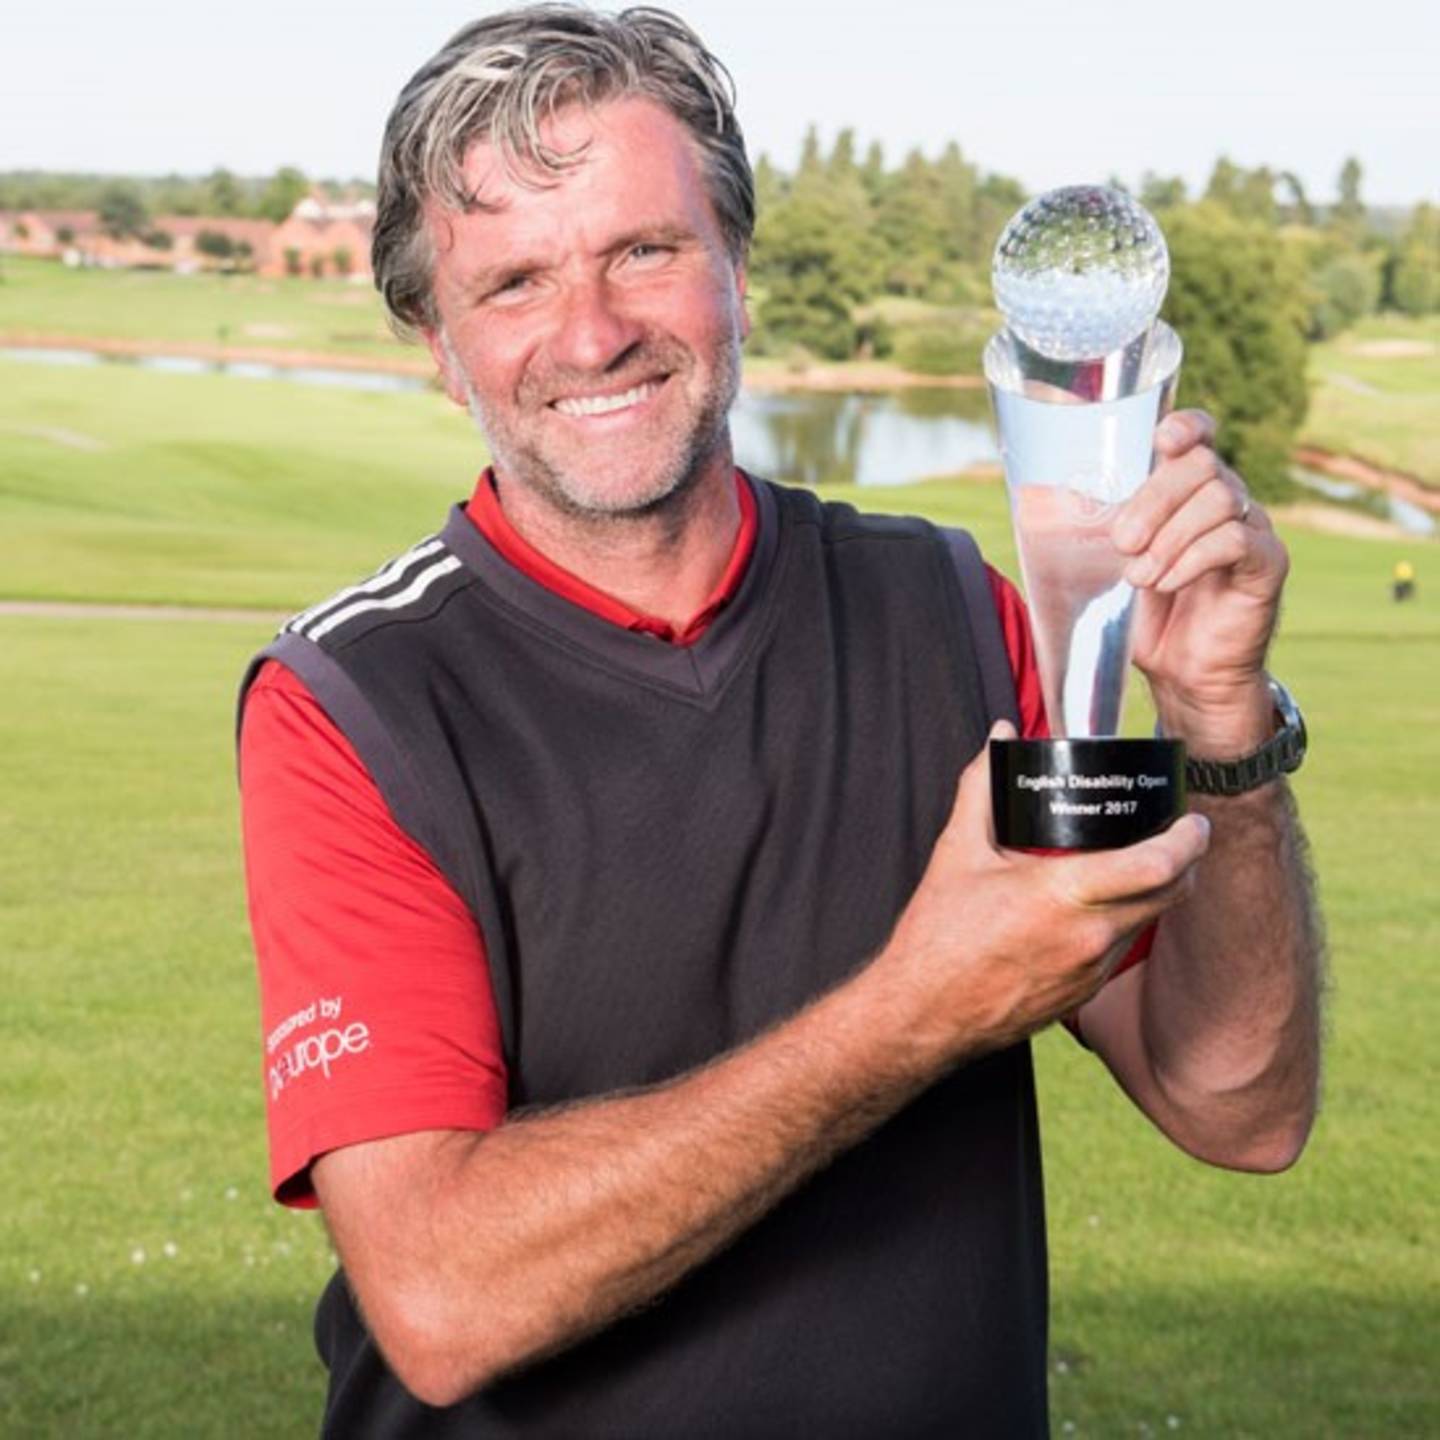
(312, 1041)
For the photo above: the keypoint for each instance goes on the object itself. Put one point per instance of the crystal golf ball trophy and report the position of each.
(1079, 378)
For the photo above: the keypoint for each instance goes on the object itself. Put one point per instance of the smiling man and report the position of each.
(646, 1001)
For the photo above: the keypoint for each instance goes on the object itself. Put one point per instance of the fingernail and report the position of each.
(1141, 570)
(1127, 534)
(1170, 431)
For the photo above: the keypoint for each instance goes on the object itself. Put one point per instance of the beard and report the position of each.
(658, 470)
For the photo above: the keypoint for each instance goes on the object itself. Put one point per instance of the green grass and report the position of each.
(120, 484)
(247, 311)
(1382, 407)
(1299, 1306)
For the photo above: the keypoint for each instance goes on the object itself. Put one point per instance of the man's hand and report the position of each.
(1209, 568)
(1001, 942)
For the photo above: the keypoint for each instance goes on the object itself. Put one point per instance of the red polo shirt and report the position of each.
(376, 1007)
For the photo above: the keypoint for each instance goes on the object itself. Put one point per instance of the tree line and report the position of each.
(220, 193)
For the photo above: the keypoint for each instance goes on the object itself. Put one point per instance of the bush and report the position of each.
(215, 243)
(945, 345)
(1415, 284)
(1349, 288)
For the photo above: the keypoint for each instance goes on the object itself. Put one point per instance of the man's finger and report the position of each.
(1218, 503)
(1108, 879)
(1182, 429)
(1170, 486)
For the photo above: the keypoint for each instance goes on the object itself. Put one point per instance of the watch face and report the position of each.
(1297, 737)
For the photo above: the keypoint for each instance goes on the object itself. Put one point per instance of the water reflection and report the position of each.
(382, 381)
(1380, 503)
(893, 439)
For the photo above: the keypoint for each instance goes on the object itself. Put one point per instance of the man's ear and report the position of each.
(742, 290)
(447, 362)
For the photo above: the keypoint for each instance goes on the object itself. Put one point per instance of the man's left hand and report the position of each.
(1209, 568)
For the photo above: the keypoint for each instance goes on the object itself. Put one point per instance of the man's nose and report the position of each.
(594, 329)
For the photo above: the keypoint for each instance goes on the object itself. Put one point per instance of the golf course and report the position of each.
(158, 525)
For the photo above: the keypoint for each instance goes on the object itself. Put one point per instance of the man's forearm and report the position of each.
(566, 1219)
(1217, 1037)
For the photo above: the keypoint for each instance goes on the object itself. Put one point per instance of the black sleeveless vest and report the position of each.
(668, 850)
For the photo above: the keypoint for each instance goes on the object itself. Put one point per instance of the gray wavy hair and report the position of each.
(498, 80)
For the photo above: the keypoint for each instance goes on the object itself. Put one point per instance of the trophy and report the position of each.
(1079, 377)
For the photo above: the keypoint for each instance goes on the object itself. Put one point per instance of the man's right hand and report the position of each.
(998, 943)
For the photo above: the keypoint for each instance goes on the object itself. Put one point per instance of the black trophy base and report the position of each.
(1089, 794)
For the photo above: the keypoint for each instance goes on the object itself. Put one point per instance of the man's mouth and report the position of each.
(582, 405)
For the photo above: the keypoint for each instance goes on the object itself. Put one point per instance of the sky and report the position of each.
(1052, 92)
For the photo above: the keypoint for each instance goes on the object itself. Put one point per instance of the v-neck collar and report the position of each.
(698, 669)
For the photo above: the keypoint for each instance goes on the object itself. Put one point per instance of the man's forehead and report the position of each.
(492, 177)
(640, 130)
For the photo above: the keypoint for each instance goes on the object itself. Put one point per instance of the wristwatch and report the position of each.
(1279, 755)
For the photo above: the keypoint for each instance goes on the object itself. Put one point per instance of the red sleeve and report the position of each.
(1034, 725)
(1020, 646)
(376, 1008)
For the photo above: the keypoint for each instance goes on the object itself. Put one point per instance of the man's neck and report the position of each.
(665, 563)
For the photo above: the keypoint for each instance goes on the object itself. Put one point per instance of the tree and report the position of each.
(872, 172)
(122, 211)
(817, 255)
(215, 243)
(1238, 298)
(294, 261)
(1347, 215)
(284, 190)
(1224, 183)
(1161, 192)
(344, 261)
(1415, 278)
(224, 193)
(1349, 287)
(1297, 210)
(769, 185)
(911, 223)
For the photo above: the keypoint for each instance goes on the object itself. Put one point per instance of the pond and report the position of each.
(890, 439)
(376, 380)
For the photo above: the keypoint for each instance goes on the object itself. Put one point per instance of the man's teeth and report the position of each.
(604, 404)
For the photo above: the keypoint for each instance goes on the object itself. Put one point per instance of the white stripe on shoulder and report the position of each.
(412, 592)
(387, 575)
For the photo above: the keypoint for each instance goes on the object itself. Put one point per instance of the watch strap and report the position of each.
(1280, 755)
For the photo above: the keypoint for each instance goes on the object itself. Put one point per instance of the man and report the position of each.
(646, 1002)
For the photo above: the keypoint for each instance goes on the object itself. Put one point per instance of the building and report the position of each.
(321, 237)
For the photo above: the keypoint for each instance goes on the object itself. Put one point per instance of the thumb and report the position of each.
(974, 811)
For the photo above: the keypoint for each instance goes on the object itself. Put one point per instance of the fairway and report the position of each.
(240, 311)
(1374, 394)
(150, 1286)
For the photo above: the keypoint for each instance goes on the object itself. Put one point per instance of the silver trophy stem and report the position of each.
(1077, 440)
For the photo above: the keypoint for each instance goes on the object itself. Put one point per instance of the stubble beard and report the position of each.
(686, 451)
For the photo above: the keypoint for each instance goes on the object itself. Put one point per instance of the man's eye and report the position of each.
(509, 288)
(647, 254)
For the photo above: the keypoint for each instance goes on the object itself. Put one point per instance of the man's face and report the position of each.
(593, 326)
